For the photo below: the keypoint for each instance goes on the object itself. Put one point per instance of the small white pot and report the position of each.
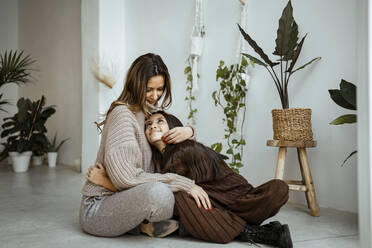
(37, 160)
(9, 160)
(52, 159)
(20, 161)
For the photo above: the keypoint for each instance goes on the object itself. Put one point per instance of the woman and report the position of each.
(238, 208)
(141, 194)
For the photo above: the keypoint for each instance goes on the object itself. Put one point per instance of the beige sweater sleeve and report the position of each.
(123, 156)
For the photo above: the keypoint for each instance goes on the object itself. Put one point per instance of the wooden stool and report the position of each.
(306, 184)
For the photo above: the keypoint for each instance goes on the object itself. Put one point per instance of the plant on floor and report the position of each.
(53, 146)
(287, 49)
(231, 98)
(345, 97)
(15, 67)
(25, 131)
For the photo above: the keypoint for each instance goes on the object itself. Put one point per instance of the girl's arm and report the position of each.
(97, 175)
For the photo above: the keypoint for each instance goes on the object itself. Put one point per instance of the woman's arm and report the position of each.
(97, 175)
(178, 134)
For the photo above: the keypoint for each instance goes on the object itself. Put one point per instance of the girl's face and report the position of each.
(155, 127)
(155, 89)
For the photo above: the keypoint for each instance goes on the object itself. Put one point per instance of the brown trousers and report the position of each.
(235, 203)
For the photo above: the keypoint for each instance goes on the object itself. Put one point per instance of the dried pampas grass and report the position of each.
(104, 71)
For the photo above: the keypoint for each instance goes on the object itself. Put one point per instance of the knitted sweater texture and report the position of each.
(126, 156)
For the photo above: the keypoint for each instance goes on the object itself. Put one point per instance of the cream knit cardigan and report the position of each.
(126, 156)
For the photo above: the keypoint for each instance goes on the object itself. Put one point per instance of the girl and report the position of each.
(238, 208)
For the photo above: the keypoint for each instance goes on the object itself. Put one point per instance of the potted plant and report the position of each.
(345, 97)
(14, 68)
(24, 131)
(39, 147)
(53, 150)
(288, 124)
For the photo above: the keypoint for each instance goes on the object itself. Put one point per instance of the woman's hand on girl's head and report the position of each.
(177, 135)
(201, 197)
(96, 174)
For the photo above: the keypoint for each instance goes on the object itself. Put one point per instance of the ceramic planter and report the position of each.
(52, 159)
(20, 161)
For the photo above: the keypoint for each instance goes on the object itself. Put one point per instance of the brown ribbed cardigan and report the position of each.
(126, 156)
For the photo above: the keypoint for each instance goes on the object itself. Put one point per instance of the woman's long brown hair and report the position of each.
(188, 158)
(134, 92)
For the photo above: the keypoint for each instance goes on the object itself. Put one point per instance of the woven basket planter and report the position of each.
(292, 124)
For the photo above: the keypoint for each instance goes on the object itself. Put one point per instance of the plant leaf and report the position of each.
(348, 92)
(350, 118)
(61, 143)
(287, 34)
(255, 60)
(15, 67)
(351, 154)
(292, 42)
(339, 99)
(296, 54)
(308, 63)
(257, 48)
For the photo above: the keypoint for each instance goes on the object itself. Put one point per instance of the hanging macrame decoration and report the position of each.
(245, 76)
(196, 48)
(196, 43)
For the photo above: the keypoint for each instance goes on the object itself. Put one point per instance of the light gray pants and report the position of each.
(119, 213)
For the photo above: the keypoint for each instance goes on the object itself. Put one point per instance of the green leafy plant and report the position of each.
(287, 48)
(345, 97)
(190, 98)
(25, 131)
(231, 98)
(53, 146)
(15, 67)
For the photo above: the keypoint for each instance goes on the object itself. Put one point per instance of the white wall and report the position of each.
(111, 48)
(164, 27)
(90, 98)
(50, 30)
(9, 40)
(364, 123)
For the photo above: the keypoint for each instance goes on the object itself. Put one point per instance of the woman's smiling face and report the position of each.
(155, 127)
(154, 89)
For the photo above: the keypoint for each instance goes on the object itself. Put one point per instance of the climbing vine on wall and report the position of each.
(190, 98)
(231, 98)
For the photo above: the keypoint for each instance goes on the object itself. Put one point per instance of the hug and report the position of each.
(152, 176)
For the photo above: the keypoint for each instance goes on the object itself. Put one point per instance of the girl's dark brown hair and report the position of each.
(189, 158)
(134, 92)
